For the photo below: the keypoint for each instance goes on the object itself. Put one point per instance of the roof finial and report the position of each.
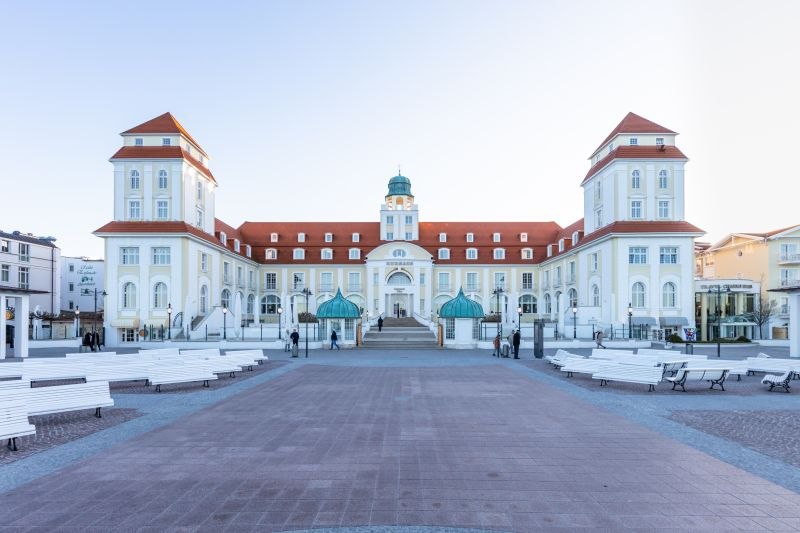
(398, 170)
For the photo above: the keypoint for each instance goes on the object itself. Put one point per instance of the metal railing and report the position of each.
(790, 257)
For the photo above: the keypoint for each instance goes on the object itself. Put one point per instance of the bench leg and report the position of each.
(569, 374)
(652, 388)
(12, 444)
(602, 382)
(738, 377)
(205, 384)
(97, 413)
(158, 388)
(232, 375)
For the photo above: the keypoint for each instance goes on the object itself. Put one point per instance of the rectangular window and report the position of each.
(166, 141)
(24, 252)
(527, 253)
(199, 190)
(472, 254)
(593, 262)
(71, 287)
(5, 273)
(271, 281)
(162, 180)
(298, 281)
(375, 278)
(659, 141)
(470, 237)
(355, 253)
(663, 209)
(199, 218)
(598, 218)
(129, 335)
(135, 180)
(226, 272)
(499, 253)
(472, 281)
(129, 255)
(662, 180)
(668, 255)
(422, 278)
(444, 281)
(24, 278)
(204, 262)
(326, 254)
(571, 272)
(248, 250)
(251, 280)
(633, 141)
(354, 281)
(299, 254)
(443, 237)
(72, 268)
(71, 304)
(523, 237)
(444, 253)
(546, 281)
(301, 237)
(273, 237)
(558, 276)
(527, 281)
(239, 276)
(138, 141)
(637, 255)
(161, 255)
(598, 190)
(237, 246)
(409, 236)
(499, 280)
(356, 237)
(390, 219)
(162, 209)
(329, 237)
(134, 210)
(389, 235)
(326, 281)
(636, 209)
(449, 328)
(3, 246)
(409, 219)
(495, 237)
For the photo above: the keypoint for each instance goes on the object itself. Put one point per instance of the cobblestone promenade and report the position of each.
(433, 440)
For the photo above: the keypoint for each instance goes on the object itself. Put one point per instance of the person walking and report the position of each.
(295, 343)
(334, 338)
(380, 323)
(288, 340)
(95, 341)
(517, 339)
(598, 339)
(510, 340)
(496, 352)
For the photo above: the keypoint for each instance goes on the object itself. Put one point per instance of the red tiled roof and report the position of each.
(165, 227)
(633, 227)
(633, 123)
(162, 152)
(165, 123)
(635, 152)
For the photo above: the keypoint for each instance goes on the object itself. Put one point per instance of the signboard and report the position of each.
(86, 276)
(689, 333)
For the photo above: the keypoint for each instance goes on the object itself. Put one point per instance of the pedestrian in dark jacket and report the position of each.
(380, 323)
(517, 339)
(334, 338)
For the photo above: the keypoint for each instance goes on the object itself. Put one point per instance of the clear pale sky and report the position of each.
(307, 108)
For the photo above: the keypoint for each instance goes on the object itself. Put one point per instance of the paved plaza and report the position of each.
(423, 441)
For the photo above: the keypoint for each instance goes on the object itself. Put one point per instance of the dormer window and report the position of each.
(301, 237)
(356, 237)
(443, 237)
(495, 237)
(549, 250)
(273, 237)
(329, 237)
(326, 254)
(470, 237)
(166, 141)
(354, 253)
(270, 254)
(138, 141)
(523, 237)
(659, 141)
(472, 254)
(237, 247)
(633, 141)
(223, 238)
(561, 245)
(444, 253)
(499, 253)
(248, 250)
(527, 253)
(298, 254)
(574, 238)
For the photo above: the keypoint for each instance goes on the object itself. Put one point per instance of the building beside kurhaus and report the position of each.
(168, 256)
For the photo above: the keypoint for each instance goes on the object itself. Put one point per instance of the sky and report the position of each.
(308, 107)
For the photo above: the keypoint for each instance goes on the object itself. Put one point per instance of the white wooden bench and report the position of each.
(161, 351)
(63, 398)
(14, 422)
(204, 351)
(15, 384)
(258, 355)
(605, 352)
(716, 376)
(586, 366)
(645, 375)
(562, 357)
(778, 380)
(170, 375)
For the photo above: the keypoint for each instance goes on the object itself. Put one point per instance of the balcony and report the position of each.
(789, 258)
(790, 282)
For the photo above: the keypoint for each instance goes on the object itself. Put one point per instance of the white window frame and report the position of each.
(636, 179)
(354, 281)
(204, 262)
(354, 253)
(134, 210)
(166, 141)
(638, 297)
(444, 281)
(301, 237)
(443, 237)
(637, 255)
(24, 252)
(160, 255)
(633, 141)
(162, 209)
(270, 281)
(472, 254)
(160, 295)
(135, 180)
(223, 238)
(138, 141)
(298, 254)
(663, 179)
(500, 280)
(444, 253)
(472, 281)
(636, 209)
(163, 181)
(659, 141)
(273, 237)
(526, 254)
(496, 237)
(499, 253)
(129, 255)
(669, 295)
(326, 254)
(24, 277)
(527, 281)
(326, 281)
(523, 237)
(593, 261)
(668, 255)
(270, 254)
(470, 237)
(664, 209)
(356, 237)
(128, 300)
(329, 237)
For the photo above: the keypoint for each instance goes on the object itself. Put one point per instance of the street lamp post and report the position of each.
(519, 319)
(77, 321)
(630, 321)
(574, 321)
(280, 321)
(224, 323)
(307, 292)
(498, 291)
(719, 290)
(169, 321)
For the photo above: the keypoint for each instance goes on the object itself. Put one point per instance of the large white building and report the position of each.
(82, 284)
(168, 256)
(32, 264)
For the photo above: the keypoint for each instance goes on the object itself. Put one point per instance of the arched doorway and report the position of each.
(398, 300)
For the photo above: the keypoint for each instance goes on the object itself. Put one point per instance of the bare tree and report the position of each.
(763, 311)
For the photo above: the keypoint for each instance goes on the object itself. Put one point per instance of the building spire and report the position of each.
(398, 170)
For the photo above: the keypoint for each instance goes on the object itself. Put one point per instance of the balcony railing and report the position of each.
(790, 258)
(790, 282)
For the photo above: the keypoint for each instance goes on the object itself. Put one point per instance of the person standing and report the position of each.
(295, 343)
(496, 352)
(598, 339)
(517, 339)
(95, 341)
(380, 323)
(288, 341)
(334, 338)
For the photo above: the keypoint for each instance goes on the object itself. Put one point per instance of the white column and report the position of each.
(21, 330)
(2, 327)
(794, 324)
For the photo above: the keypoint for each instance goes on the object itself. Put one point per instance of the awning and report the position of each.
(673, 321)
(643, 321)
(130, 323)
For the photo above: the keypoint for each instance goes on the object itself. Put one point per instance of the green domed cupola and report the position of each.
(461, 307)
(399, 186)
(338, 307)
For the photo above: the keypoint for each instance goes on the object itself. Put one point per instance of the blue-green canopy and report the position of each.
(338, 307)
(399, 185)
(461, 307)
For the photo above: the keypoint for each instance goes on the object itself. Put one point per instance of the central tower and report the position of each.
(399, 215)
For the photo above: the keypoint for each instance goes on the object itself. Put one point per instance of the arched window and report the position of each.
(637, 294)
(271, 254)
(528, 303)
(399, 278)
(573, 297)
(129, 296)
(669, 295)
(160, 296)
(398, 253)
(558, 302)
(270, 304)
(134, 179)
(662, 179)
(548, 304)
(251, 304)
(595, 296)
(203, 300)
(635, 179)
(162, 179)
(226, 298)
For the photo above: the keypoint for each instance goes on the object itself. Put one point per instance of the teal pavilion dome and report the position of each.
(338, 307)
(399, 186)
(461, 307)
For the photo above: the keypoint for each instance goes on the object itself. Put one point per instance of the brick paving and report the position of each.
(481, 446)
(774, 433)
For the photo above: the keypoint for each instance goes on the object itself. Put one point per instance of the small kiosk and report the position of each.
(340, 315)
(462, 318)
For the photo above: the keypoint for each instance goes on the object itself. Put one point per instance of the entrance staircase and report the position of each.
(400, 334)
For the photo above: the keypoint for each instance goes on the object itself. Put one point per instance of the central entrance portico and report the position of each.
(400, 280)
